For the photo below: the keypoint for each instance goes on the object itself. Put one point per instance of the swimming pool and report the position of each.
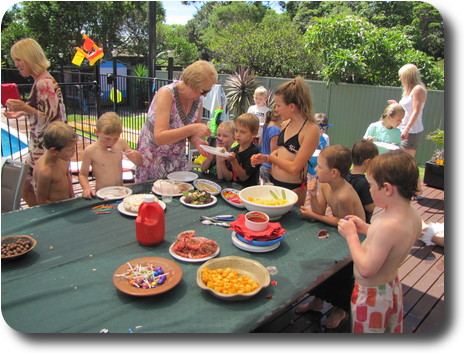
(14, 144)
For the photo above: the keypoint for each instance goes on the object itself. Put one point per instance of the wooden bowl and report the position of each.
(13, 239)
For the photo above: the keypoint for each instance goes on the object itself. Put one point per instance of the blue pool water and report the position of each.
(15, 146)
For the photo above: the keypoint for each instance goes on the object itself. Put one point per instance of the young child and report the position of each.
(323, 121)
(52, 180)
(386, 129)
(238, 167)
(377, 299)
(225, 137)
(268, 142)
(297, 140)
(362, 153)
(105, 156)
(260, 109)
(333, 165)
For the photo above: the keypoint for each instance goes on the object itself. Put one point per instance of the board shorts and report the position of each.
(377, 309)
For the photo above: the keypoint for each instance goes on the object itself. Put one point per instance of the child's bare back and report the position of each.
(388, 242)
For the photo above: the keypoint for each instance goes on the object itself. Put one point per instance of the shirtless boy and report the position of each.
(377, 299)
(52, 180)
(333, 165)
(105, 156)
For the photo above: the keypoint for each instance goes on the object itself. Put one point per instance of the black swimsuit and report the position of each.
(292, 145)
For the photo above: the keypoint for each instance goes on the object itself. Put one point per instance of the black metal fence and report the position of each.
(86, 100)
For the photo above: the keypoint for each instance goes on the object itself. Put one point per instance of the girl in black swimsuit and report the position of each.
(293, 102)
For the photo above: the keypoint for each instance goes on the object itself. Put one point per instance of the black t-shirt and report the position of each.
(244, 159)
(361, 185)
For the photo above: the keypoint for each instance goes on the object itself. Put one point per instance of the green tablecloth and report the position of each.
(65, 283)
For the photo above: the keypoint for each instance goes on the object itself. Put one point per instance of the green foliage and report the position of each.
(239, 88)
(353, 50)
(141, 70)
(437, 136)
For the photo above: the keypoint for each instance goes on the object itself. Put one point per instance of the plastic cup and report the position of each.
(167, 189)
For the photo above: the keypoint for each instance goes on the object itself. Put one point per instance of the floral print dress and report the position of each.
(46, 97)
(159, 161)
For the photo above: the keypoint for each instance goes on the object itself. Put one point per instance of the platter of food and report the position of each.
(176, 188)
(198, 199)
(189, 248)
(14, 246)
(113, 193)
(130, 204)
(147, 276)
(183, 177)
(207, 185)
(218, 151)
(232, 198)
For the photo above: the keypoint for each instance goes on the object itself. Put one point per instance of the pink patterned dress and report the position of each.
(47, 98)
(159, 161)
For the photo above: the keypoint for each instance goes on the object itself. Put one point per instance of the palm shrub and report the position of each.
(239, 88)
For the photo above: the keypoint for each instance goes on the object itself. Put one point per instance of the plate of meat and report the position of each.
(190, 248)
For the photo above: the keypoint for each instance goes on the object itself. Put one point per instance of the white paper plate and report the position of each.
(182, 186)
(215, 150)
(122, 210)
(184, 177)
(208, 186)
(388, 146)
(182, 201)
(252, 248)
(114, 193)
(186, 259)
(235, 191)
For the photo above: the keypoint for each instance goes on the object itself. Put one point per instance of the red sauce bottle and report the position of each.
(149, 224)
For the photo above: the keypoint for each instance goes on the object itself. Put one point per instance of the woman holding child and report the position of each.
(297, 141)
(44, 106)
(175, 115)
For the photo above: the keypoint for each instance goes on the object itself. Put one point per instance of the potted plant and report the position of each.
(434, 174)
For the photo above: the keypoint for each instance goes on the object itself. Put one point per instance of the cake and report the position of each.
(132, 202)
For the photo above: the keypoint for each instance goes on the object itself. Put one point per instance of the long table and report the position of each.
(65, 283)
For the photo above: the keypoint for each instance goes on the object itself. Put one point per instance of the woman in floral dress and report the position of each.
(44, 106)
(174, 116)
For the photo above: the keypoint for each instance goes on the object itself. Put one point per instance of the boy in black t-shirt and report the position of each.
(362, 153)
(238, 166)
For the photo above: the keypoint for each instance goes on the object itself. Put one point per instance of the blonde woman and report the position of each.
(298, 138)
(44, 106)
(175, 115)
(413, 101)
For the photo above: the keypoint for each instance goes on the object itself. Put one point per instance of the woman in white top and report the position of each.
(413, 102)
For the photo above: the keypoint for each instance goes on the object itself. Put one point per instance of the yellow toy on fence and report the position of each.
(89, 51)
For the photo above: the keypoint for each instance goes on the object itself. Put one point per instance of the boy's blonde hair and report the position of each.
(261, 91)
(321, 118)
(397, 168)
(31, 53)
(58, 135)
(109, 124)
(338, 157)
(228, 125)
(250, 121)
(199, 73)
(392, 110)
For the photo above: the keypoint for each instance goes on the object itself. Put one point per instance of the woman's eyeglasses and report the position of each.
(205, 92)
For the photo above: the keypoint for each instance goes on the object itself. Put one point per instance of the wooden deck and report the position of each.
(422, 275)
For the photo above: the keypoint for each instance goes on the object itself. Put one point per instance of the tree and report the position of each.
(353, 50)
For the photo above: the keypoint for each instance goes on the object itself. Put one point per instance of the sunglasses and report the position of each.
(204, 92)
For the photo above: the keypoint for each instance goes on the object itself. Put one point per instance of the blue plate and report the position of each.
(261, 243)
